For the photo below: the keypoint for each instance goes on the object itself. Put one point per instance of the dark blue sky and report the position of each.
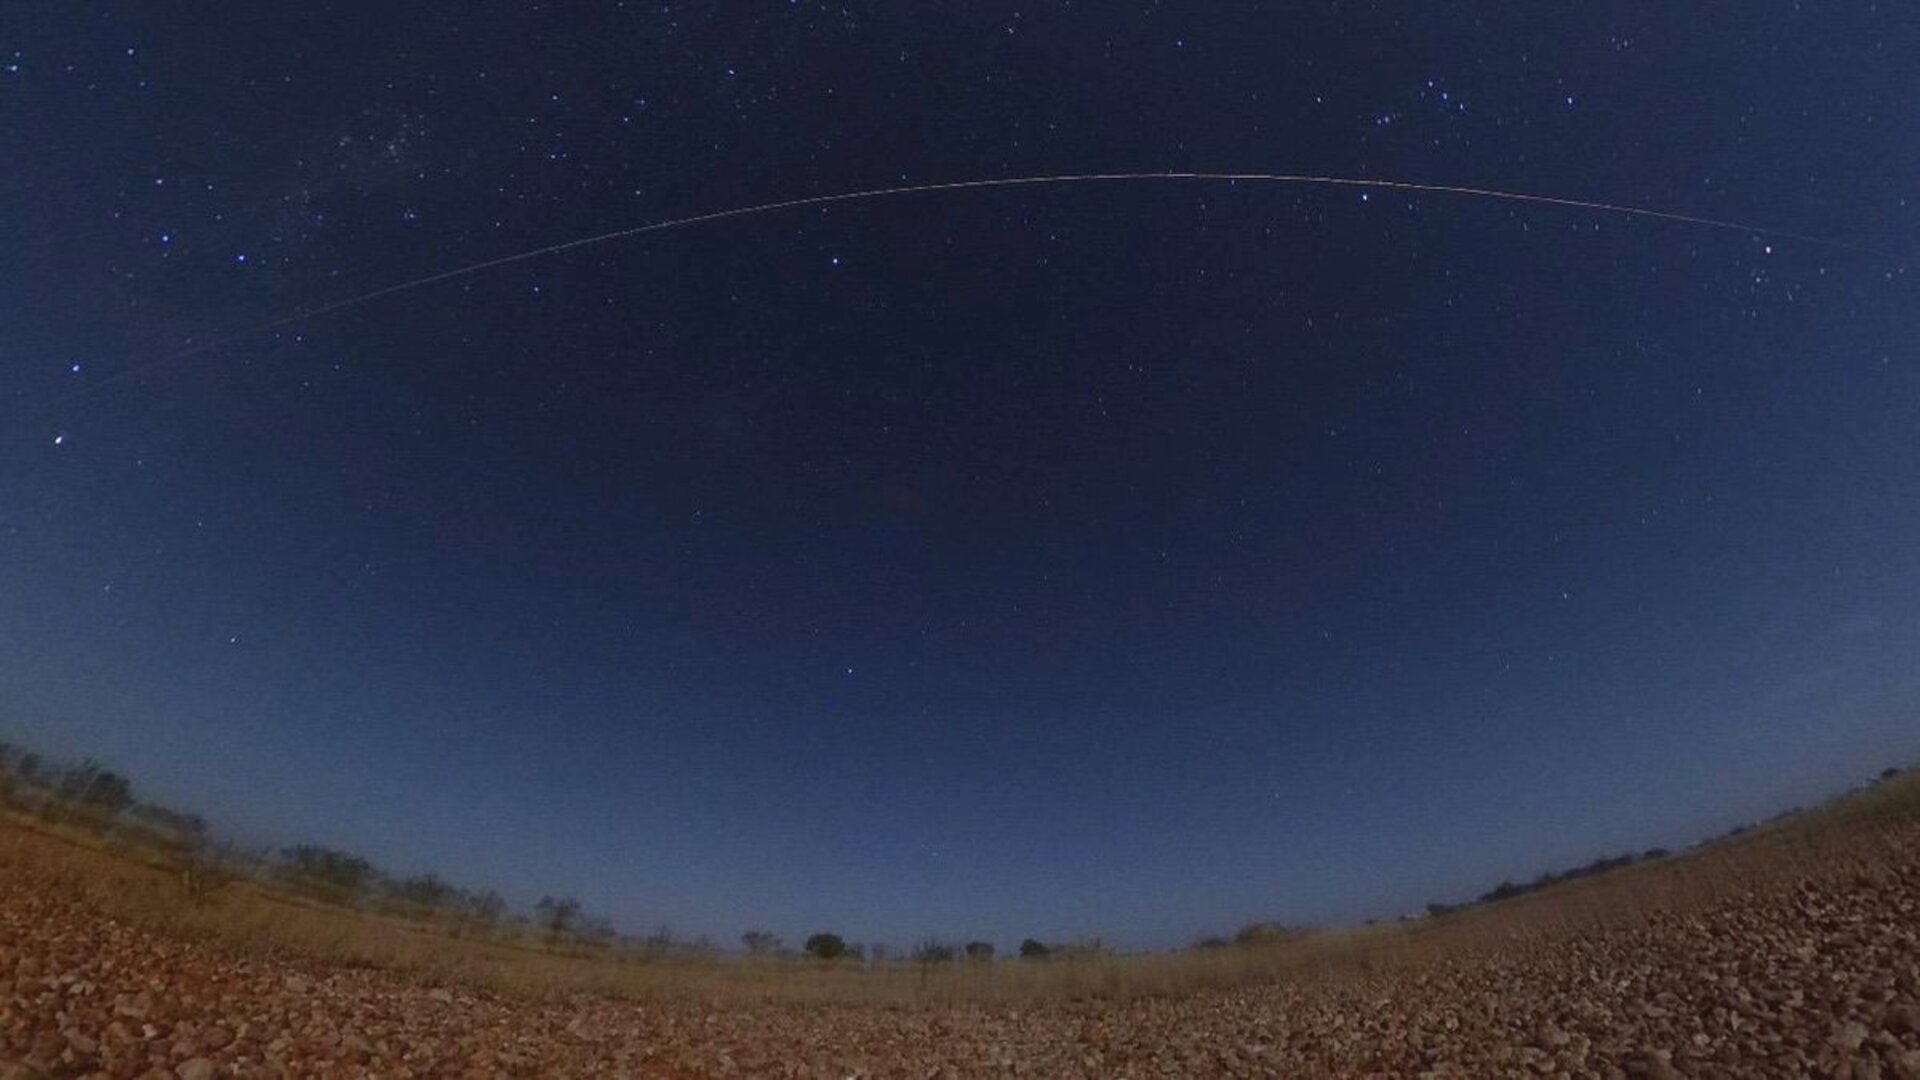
(1135, 559)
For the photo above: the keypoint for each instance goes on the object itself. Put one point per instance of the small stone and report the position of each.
(1902, 1019)
(1848, 1036)
(1656, 1066)
(194, 1069)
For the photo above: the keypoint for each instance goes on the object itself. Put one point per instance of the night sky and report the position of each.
(1138, 559)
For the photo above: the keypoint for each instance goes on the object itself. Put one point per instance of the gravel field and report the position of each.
(1814, 971)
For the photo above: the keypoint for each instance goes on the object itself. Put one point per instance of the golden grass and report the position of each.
(145, 887)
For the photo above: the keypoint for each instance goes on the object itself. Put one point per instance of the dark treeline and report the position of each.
(87, 795)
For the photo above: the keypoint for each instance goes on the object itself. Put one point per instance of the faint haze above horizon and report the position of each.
(1133, 561)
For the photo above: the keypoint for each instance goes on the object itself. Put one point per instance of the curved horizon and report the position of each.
(1002, 559)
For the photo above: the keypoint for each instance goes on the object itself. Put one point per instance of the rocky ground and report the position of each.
(1811, 974)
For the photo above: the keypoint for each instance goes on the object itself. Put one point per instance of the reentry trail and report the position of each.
(1293, 179)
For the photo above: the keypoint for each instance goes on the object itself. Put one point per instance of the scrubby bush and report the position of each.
(425, 890)
(931, 951)
(1265, 933)
(824, 946)
(205, 870)
(1091, 948)
(1504, 891)
(484, 906)
(979, 951)
(558, 915)
(90, 786)
(599, 932)
(661, 940)
(760, 942)
(329, 870)
(171, 828)
(1034, 949)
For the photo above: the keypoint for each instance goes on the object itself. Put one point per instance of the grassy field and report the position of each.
(140, 883)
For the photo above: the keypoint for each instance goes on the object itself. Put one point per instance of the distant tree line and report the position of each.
(828, 946)
(1507, 890)
(88, 795)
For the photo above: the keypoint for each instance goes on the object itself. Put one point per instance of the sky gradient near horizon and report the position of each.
(1135, 559)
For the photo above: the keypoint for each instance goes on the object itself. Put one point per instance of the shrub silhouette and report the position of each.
(89, 785)
(824, 946)
(327, 869)
(979, 951)
(1265, 933)
(760, 942)
(560, 915)
(1034, 949)
(426, 890)
(485, 906)
(1082, 949)
(933, 952)
(1503, 891)
(185, 831)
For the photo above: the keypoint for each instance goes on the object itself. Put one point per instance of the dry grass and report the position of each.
(145, 887)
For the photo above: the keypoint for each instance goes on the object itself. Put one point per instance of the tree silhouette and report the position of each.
(826, 946)
(559, 914)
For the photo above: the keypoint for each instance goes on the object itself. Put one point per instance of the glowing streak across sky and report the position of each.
(1298, 179)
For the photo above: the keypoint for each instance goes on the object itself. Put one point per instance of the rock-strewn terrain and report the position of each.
(1812, 972)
